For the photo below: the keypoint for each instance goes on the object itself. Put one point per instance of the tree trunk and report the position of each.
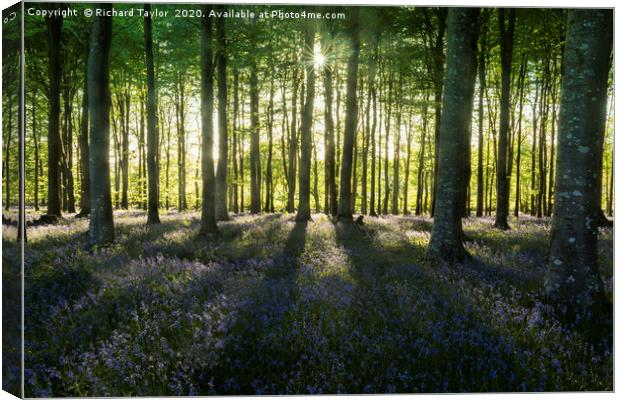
(84, 154)
(506, 45)
(181, 151)
(67, 153)
(482, 88)
(207, 222)
(419, 207)
(303, 209)
(534, 138)
(519, 133)
(235, 161)
(151, 121)
(255, 169)
(373, 134)
(407, 167)
(542, 144)
(396, 166)
(388, 116)
(269, 171)
(54, 31)
(36, 151)
(573, 280)
(123, 102)
(221, 186)
(369, 131)
(101, 221)
(315, 173)
(292, 155)
(447, 233)
(330, 151)
(344, 203)
(167, 168)
(241, 158)
(438, 59)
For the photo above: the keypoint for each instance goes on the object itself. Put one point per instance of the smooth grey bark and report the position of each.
(396, 161)
(344, 203)
(255, 169)
(101, 221)
(36, 151)
(269, 170)
(179, 105)
(447, 234)
(151, 124)
(330, 151)
(386, 157)
(407, 167)
(437, 68)
(124, 106)
(506, 45)
(519, 134)
(419, 207)
(482, 88)
(292, 153)
(573, 280)
(373, 154)
(21, 157)
(235, 141)
(221, 186)
(84, 150)
(368, 205)
(54, 35)
(207, 220)
(303, 208)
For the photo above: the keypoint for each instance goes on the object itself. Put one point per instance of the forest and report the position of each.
(303, 200)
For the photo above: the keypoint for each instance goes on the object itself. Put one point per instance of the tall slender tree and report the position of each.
(84, 150)
(447, 233)
(573, 279)
(344, 203)
(99, 100)
(481, 90)
(54, 37)
(207, 223)
(255, 165)
(330, 151)
(303, 209)
(152, 135)
(221, 185)
(506, 44)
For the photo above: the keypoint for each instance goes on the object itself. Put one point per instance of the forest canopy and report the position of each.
(401, 65)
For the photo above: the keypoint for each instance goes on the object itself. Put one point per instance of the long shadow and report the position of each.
(87, 322)
(196, 247)
(376, 269)
(252, 355)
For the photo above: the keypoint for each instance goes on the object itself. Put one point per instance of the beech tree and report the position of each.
(573, 280)
(152, 134)
(344, 203)
(101, 221)
(207, 224)
(303, 209)
(221, 188)
(54, 31)
(506, 44)
(447, 233)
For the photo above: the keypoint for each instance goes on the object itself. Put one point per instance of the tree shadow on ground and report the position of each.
(252, 354)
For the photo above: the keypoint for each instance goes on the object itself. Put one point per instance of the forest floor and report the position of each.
(272, 306)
